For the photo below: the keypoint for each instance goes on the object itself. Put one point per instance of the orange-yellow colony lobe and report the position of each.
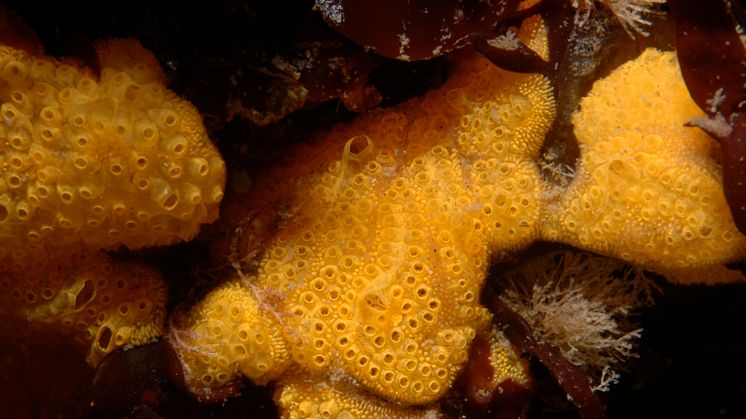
(505, 360)
(306, 395)
(102, 305)
(227, 334)
(116, 161)
(648, 188)
(534, 33)
(386, 230)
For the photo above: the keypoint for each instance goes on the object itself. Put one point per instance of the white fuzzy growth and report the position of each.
(507, 41)
(716, 100)
(580, 303)
(632, 14)
(332, 10)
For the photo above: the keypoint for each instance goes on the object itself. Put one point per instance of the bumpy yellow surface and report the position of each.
(305, 395)
(228, 334)
(386, 231)
(89, 163)
(494, 362)
(119, 160)
(373, 245)
(505, 360)
(647, 189)
(102, 305)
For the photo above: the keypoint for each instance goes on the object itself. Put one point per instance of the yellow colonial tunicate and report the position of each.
(109, 161)
(535, 35)
(648, 188)
(100, 304)
(387, 227)
(506, 362)
(305, 395)
(228, 334)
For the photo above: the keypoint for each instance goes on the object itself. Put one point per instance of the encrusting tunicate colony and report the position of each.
(385, 228)
(90, 163)
(115, 161)
(365, 289)
(377, 267)
(102, 305)
(648, 187)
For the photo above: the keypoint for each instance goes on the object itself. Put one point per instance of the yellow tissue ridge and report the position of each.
(116, 161)
(375, 240)
(648, 188)
(386, 229)
(100, 304)
(304, 395)
(227, 334)
(506, 361)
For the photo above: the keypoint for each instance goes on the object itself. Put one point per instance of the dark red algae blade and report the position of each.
(412, 30)
(509, 400)
(712, 54)
(478, 372)
(574, 382)
(134, 382)
(734, 170)
(520, 58)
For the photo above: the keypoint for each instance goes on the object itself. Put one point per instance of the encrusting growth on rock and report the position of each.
(364, 296)
(648, 188)
(100, 304)
(388, 229)
(228, 333)
(89, 163)
(505, 360)
(116, 161)
(310, 396)
(384, 228)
